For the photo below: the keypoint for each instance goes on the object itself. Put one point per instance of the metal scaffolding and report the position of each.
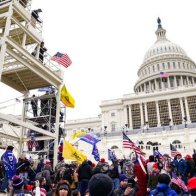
(24, 71)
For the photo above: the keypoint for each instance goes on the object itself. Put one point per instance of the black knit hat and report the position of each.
(100, 185)
(164, 178)
(10, 148)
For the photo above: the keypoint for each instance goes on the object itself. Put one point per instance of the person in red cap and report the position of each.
(190, 166)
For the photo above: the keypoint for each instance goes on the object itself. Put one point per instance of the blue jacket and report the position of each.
(181, 166)
(163, 188)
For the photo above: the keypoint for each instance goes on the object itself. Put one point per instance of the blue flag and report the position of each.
(95, 152)
(156, 153)
(111, 155)
(46, 89)
(9, 161)
(90, 138)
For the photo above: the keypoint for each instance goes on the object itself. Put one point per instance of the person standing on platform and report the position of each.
(35, 17)
(34, 105)
(42, 50)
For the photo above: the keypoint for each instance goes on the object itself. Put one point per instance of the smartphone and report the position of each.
(129, 185)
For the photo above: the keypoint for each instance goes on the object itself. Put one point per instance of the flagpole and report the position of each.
(65, 118)
(122, 142)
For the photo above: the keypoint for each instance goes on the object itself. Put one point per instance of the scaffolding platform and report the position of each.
(22, 70)
(43, 119)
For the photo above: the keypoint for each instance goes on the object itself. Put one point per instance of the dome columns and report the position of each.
(187, 110)
(170, 113)
(171, 82)
(158, 114)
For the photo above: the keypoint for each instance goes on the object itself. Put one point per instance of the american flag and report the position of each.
(62, 59)
(174, 151)
(180, 183)
(164, 74)
(127, 143)
(32, 143)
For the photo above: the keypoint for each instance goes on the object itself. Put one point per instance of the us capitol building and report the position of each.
(160, 112)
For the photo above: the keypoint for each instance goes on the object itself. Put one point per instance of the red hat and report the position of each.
(188, 156)
(192, 183)
(102, 160)
(29, 187)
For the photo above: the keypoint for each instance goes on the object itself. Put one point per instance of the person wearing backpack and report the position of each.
(163, 189)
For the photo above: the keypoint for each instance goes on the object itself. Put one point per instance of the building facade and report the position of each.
(161, 111)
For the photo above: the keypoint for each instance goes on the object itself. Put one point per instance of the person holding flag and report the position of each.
(139, 165)
(114, 174)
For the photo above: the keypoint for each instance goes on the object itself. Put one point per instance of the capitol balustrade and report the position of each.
(149, 130)
(171, 72)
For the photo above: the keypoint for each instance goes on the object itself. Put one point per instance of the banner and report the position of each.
(90, 138)
(111, 155)
(70, 152)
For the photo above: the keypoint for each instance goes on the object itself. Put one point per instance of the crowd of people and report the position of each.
(159, 175)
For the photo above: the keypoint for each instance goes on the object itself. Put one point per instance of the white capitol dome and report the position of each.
(164, 56)
(162, 47)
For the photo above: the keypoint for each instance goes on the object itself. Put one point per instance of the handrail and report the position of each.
(53, 69)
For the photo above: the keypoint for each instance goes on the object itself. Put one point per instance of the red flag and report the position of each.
(62, 59)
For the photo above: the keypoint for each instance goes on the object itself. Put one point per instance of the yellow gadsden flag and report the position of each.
(70, 152)
(78, 134)
(66, 98)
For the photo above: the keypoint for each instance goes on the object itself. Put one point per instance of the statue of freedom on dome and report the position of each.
(159, 22)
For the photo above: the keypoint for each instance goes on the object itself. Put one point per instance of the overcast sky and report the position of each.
(107, 41)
